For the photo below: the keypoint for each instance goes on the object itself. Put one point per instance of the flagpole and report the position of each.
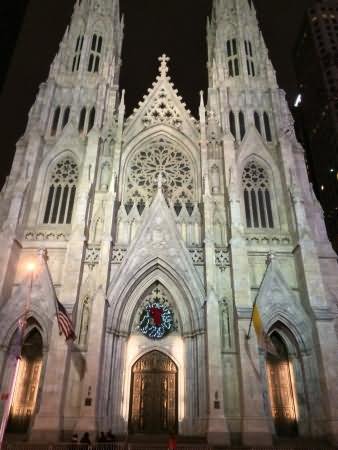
(22, 324)
(44, 257)
(269, 259)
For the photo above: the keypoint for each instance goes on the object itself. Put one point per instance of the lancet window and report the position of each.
(55, 121)
(257, 120)
(82, 120)
(77, 53)
(257, 196)
(95, 53)
(241, 121)
(249, 59)
(232, 57)
(91, 120)
(232, 124)
(161, 158)
(65, 118)
(61, 193)
(86, 120)
(237, 127)
(267, 127)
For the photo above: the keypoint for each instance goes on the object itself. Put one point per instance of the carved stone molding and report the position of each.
(222, 258)
(268, 240)
(42, 235)
(92, 257)
(197, 256)
(118, 254)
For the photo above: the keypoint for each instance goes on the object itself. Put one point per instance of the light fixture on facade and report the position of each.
(298, 100)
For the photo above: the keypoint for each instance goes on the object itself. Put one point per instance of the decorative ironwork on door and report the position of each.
(281, 390)
(26, 388)
(153, 407)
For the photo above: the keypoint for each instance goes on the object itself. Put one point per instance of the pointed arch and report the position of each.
(27, 382)
(282, 386)
(62, 183)
(254, 148)
(257, 187)
(125, 298)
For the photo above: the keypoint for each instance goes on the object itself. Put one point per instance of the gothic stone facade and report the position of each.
(162, 213)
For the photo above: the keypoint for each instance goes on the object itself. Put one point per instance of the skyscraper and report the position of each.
(316, 60)
(158, 227)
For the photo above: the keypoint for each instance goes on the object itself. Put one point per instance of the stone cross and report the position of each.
(163, 67)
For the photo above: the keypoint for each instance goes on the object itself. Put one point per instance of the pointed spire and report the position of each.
(202, 100)
(122, 106)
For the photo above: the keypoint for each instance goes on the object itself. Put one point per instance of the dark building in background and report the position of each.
(316, 62)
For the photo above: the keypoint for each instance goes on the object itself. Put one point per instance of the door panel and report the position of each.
(153, 395)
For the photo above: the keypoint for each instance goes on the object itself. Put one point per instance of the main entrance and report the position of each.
(153, 405)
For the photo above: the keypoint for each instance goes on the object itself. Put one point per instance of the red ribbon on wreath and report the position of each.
(156, 315)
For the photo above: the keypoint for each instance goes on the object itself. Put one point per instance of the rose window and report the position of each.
(160, 159)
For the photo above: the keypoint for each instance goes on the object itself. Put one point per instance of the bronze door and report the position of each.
(27, 385)
(153, 407)
(281, 392)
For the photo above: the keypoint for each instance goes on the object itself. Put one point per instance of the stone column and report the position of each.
(87, 420)
(255, 425)
(329, 374)
(218, 432)
(47, 422)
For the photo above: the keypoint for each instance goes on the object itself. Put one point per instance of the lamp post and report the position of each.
(14, 356)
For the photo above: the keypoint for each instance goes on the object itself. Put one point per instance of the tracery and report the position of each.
(160, 158)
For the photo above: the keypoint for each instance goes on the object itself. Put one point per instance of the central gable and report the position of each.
(162, 105)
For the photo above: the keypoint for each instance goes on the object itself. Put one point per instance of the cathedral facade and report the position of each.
(158, 227)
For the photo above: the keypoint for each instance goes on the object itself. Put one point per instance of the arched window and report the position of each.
(232, 123)
(55, 122)
(257, 197)
(61, 194)
(267, 127)
(232, 57)
(91, 120)
(65, 118)
(257, 122)
(82, 120)
(27, 384)
(95, 53)
(77, 53)
(241, 120)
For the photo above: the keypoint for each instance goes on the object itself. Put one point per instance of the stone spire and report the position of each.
(89, 58)
(236, 48)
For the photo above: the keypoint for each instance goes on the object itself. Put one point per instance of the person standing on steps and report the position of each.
(86, 439)
(172, 444)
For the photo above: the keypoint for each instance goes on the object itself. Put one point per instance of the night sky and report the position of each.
(153, 27)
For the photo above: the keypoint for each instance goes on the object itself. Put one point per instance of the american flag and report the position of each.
(64, 321)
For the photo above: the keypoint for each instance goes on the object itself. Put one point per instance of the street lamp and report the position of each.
(14, 356)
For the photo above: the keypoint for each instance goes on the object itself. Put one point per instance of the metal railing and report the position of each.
(132, 446)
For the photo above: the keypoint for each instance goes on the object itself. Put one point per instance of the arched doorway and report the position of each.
(153, 404)
(27, 384)
(282, 396)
